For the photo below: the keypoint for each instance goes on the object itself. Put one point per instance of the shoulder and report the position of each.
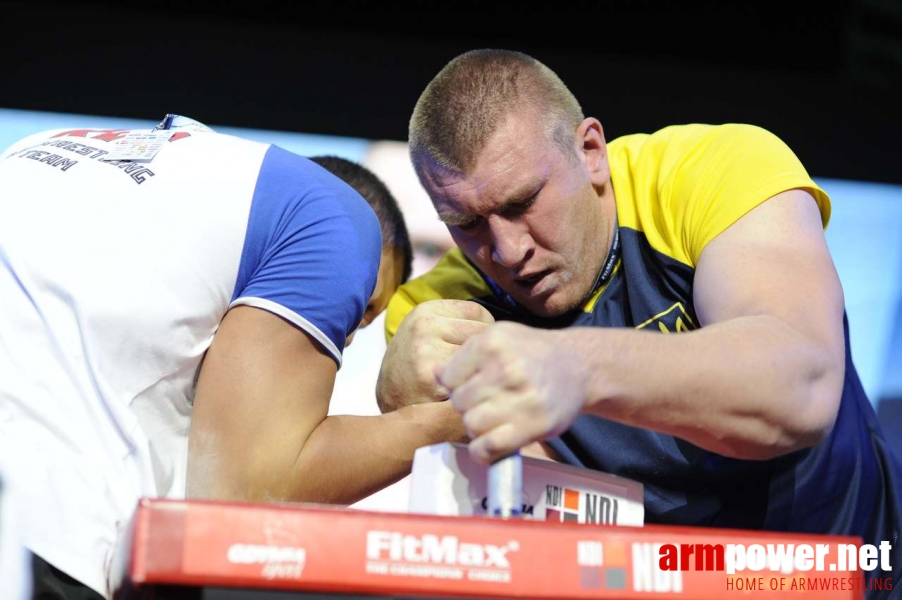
(681, 141)
(683, 185)
(312, 249)
(31, 140)
(287, 174)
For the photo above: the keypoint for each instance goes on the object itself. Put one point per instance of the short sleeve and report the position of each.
(734, 169)
(312, 249)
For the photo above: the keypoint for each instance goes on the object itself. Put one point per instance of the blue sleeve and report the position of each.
(311, 252)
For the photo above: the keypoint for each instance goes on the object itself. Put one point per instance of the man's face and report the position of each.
(529, 216)
(391, 269)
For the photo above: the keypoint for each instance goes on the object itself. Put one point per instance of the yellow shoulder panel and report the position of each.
(684, 185)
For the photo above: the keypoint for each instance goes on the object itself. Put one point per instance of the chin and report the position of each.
(549, 309)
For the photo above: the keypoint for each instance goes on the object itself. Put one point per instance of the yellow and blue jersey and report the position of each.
(676, 190)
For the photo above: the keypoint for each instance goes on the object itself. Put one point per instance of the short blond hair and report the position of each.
(472, 95)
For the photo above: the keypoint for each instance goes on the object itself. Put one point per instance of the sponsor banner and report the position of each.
(394, 553)
(330, 550)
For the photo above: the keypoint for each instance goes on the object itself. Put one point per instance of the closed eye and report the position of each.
(521, 207)
(468, 224)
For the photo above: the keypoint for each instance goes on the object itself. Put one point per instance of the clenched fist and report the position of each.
(515, 385)
(425, 342)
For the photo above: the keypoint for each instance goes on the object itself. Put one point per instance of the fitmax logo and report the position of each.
(445, 550)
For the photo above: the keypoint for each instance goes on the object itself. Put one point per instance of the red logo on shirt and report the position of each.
(111, 135)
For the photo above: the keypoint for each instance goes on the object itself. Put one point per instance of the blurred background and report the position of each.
(342, 79)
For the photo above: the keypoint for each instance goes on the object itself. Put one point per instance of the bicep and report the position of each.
(263, 388)
(774, 261)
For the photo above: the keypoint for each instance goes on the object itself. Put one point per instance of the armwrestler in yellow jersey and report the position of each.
(662, 307)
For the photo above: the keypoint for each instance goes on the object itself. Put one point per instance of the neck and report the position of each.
(608, 217)
(611, 239)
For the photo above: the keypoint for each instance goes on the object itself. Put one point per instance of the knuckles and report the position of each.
(419, 326)
(472, 423)
(514, 374)
(492, 446)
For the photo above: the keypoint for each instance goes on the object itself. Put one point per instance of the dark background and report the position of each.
(827, 79)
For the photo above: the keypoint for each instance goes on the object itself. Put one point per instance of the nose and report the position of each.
(511, 242)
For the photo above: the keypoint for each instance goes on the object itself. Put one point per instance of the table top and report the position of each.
(215, 549)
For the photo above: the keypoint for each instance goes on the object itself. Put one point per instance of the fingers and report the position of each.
(457, 309)
(498, 425)
(511, 387)
(440, 329)
(473, 393)
(423, 345)
(485, 406)
(483, 418)
(458, 331)
(451, 321)
(499, 442)
(491, 353)
(462, 366)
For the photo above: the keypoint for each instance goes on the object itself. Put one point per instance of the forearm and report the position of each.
(752, 387)
(347, 458)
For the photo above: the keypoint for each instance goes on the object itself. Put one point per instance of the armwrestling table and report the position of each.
(232, 551)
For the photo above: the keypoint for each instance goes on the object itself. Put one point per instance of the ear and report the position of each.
(594, 150)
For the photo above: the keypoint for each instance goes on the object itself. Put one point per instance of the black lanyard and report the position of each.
(608, 269)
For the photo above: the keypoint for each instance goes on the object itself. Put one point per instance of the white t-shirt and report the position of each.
(114, 276)
(15, 560)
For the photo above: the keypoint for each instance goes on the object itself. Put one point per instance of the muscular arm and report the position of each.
(259, 430)
(761, 378)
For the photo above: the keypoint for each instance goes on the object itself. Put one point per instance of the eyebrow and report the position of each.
(452, 218)
(524, 193)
